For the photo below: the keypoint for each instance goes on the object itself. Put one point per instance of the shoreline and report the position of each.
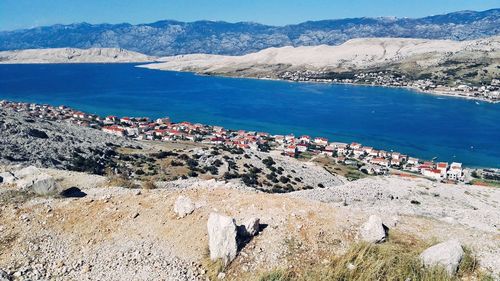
(415, 89)
(165, 130)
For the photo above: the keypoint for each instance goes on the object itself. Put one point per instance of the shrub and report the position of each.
(149, 185)
(121, 181)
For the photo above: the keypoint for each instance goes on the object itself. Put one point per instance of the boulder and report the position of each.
(252, 226)
(29, 171)
(222, 243)
(4, 276)
(373, 230)
(447, 254)
(41, 184)
(183, 206)
(7, 178)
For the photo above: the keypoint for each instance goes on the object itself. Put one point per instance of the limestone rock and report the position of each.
(183, 206)
(222, 232)
(373, 231)
(7, 178)
(252, 226)
(4, 276)
(27, 172)
(447, 254)
(41, 184)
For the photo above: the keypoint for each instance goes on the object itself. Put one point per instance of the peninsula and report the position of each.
(459, 68)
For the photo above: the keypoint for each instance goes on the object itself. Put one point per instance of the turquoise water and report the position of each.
(420, 125)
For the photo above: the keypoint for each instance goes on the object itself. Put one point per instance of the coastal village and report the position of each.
(488, 92)
(367, 159)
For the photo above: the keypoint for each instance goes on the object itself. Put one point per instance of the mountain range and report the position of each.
(165, 38)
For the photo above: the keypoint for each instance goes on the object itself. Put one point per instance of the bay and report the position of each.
(421, 125)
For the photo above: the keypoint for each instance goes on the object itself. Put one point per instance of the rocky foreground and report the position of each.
(96, 231)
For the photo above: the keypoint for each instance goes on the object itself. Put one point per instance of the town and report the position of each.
(488, 92)
(367, 159)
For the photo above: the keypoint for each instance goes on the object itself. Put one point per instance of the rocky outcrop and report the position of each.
(44, 184)
(447, 254)
(30, 141)
(183, 206)
(222, 235)
(373, 230)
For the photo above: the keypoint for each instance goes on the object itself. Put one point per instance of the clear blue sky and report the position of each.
(16, 14)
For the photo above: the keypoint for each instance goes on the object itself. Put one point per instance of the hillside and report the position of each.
(166, 38)
(476, 60)
(71, 55)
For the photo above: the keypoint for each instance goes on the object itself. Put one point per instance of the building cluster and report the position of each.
(371, 160)
(489, 92)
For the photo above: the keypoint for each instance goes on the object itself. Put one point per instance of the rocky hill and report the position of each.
(27, 140)
(173, 37)
(477, 60)
(71, 55)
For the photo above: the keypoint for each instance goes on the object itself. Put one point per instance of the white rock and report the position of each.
(252, 226)
(373, 230)
(183, 206)
(29, 171)
(222, 238)
(41, 184)
(7, 178)
(447, 254)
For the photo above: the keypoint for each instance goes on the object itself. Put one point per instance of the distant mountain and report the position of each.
(445, 61)
(71, 55)
(173, 37)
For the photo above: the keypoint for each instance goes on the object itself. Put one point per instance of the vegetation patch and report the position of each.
(398, 259)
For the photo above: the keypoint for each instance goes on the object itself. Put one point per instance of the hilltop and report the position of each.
(167, 38)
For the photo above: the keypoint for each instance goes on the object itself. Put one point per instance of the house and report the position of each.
(126, 120)
(396, 155)
(432, 173)
(114, 130)
(395, 162)
(305, 139)
(301, 147)
(165, 120)
(355, 145)
(380, 161)
(358, 152)
(342, 150)
(455, 172)
(443, 167)
(291, 150)
(412, 161)
(321, 141)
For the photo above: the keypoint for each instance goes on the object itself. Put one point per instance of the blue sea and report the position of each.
(421, 125)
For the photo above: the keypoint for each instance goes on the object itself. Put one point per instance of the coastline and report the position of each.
(165, 130)
(415, 89)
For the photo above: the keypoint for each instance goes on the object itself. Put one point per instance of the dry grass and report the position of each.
(213, 268)
(395, 260)
(122, 182)
(150, 184)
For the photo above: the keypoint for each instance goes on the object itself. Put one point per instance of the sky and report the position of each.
(15, 14)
